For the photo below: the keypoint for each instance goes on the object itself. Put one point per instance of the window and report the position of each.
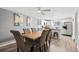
(38, 21)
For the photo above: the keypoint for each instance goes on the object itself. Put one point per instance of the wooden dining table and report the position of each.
(31, 37)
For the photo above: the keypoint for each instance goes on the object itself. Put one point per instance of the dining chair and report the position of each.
(48, 38)
(40, 43)
(27, 30)
(34, 29)
(21, 44)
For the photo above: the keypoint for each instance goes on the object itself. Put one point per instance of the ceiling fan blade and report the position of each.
(46, 10)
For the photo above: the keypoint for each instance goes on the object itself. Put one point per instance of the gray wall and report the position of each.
(6, 24)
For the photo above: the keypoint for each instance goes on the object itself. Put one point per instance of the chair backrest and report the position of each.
(43, 37)
(18, 38)
(49, 35)
(27, 30)
(46, 27)
(24, 30)
(34, 29)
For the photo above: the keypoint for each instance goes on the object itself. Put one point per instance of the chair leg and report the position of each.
(46, 44)
(35, 48)
(17, 49)
(45, 47)
(22, 50)
(57, 36)
(40, 49)
(49, 43)
(32, 49)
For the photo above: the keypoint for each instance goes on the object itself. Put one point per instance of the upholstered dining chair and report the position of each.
(21, 44)
(27, 30)
(34, 29)
(48, 38)
(40, 43)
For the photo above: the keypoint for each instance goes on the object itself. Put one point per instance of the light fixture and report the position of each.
(39, 11)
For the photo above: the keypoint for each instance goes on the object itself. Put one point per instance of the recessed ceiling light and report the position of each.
(39, 11)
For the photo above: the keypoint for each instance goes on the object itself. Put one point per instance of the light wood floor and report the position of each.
(64, 44)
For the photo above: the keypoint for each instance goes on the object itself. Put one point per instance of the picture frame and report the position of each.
(18, 19)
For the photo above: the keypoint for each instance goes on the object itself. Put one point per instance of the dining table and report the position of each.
(32, 37)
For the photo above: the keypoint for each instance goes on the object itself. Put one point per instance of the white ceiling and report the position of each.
(56, 12)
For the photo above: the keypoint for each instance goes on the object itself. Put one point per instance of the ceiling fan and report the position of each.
(42, 11)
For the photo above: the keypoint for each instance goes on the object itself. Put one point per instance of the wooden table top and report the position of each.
(32, 35)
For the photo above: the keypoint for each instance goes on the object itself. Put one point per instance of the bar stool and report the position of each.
(56, 35)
